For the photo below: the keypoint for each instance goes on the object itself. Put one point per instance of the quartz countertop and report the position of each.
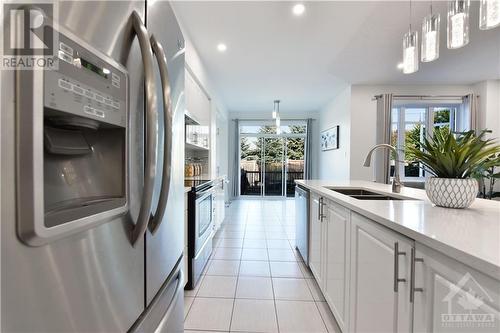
(471, 236)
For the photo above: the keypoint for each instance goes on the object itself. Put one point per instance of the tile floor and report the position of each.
(255, 281)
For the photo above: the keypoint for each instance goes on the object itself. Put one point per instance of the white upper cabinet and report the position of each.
(452, 297)
(197, 101)
(337, 261)
(378, 302)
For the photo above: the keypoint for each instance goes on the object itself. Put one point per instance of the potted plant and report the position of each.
(454, 160)
(487, 175)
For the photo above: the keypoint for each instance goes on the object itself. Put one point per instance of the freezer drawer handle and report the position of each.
(179, 288)
(151, 134)
(157, 218)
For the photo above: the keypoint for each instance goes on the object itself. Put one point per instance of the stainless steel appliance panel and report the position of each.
(302, 222)
(164, 247)
(92, 281)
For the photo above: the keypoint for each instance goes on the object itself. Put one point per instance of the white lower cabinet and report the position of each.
(337, 260)
(366, 272)
(219, 203)
(452, 297)
(379, 292)
(316, 238)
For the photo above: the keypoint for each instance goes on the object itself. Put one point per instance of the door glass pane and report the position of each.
(294, 163)
(414, 133)
(273, 166)
(250, 166)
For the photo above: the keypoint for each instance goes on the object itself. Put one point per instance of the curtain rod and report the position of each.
(421, 96)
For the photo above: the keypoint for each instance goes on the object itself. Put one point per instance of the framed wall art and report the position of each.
(330, 139)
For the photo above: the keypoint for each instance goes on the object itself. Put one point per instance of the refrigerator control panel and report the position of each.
(86, 85)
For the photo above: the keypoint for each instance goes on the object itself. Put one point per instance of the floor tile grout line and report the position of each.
(237, 282)
(274, 294)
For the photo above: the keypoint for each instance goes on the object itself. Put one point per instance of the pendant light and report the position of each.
(277, 117)
(489, 14)
(430, 37)
(410, 50)
(458, 23)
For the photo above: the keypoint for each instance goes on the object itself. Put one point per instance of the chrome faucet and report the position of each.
(396, 182)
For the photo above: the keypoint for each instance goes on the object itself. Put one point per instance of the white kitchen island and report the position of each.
(404, 265)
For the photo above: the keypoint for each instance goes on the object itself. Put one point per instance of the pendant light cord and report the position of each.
(410, 15)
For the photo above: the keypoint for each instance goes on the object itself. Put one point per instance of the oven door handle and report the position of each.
(151, 133)
(157, 217)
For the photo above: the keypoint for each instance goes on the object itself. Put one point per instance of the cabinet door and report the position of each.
(453, 296)
(316, 239)
(375, 305)
(336, 259)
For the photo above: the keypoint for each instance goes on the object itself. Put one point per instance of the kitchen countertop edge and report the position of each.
(489, 266)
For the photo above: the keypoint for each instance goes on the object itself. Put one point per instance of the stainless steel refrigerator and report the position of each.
(92, 175)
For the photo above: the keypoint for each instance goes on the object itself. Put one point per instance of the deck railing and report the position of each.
(251, 182)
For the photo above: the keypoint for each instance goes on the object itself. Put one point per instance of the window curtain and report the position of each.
(234, 166)
(384, 110)
(469, 119)
(308, 150)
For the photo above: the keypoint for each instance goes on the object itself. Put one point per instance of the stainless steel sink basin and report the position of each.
(362, 194)
(375, 197)
(354, 191)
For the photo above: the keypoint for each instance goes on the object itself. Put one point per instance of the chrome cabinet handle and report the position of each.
(319, 209)
(397, 279)
(157, 217)
(321, 205)
(413, 289)
(151, 129)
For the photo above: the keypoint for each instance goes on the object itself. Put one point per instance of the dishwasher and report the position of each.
(302, 222)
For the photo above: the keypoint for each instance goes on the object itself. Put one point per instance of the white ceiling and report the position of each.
(305, 61)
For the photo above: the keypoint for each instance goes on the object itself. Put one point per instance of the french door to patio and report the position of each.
(269, 164)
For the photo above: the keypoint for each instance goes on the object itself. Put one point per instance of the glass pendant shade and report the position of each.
(430, 38)
(489, 14)
(458, 23)
(410, 52)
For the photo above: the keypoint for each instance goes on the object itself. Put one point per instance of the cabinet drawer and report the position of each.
(453, 297)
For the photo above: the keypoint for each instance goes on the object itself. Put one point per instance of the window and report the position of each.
(410, 124)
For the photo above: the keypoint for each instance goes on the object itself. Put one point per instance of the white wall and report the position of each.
(334, 164)
(355, 111)
(489, 105)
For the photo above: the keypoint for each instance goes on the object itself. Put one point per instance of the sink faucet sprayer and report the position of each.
(396, 182)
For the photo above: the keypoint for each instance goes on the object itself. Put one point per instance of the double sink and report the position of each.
(363, 194)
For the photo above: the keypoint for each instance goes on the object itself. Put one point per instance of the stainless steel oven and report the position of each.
(201, 210)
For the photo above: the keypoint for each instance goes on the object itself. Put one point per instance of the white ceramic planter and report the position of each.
(452, 192)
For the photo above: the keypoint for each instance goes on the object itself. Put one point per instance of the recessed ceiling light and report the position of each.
(298, 9)
(221, 47)
(401, 65)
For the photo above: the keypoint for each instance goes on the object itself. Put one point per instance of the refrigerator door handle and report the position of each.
(151, 134)
(157, 217)
(178, 289)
